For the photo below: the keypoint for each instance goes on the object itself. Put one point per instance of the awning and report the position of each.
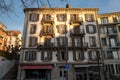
(37, 67)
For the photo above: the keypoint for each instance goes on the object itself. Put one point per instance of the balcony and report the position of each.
(63, 46)
(112, 33)
(47, 33)
(116, 46)
(78, 20)
(77, 32)
(47, 21)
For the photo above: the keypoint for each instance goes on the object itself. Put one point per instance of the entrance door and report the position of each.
(62, 74)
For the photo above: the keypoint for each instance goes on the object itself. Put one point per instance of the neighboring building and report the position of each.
(3, 36)
(109, 28)
(14, 39)
(60, 44)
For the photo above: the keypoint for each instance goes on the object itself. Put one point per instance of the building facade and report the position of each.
(3, 36)
(109, 28)
(14, 40)
(60, 45)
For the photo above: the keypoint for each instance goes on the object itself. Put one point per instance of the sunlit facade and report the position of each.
(3, 36)
(14, 39)
(60, 44)
(109, 28)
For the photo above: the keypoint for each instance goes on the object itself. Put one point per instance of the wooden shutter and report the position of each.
(87, 28)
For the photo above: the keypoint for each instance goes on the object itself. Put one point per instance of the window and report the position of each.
(62, 55)
(76, 29)
(78, 42)
(92, 41)
(104, 42)
(94, 55)
(47, 42)
(62, 29)
(47, 29)
(34, 17)
(47, 56)
(79, 55)
(119, 18)
(102, 30)
(89, 17)
(61, 17)
(74, 17)
(111, 55)
(119, 28)
(30, 55)
(32, 41)
(47, 17)
(32, 29)
(62, 41)
(112, 42)
(110, 68)
(115, 19)
(91, 29)
(104, 20)
(112, 29)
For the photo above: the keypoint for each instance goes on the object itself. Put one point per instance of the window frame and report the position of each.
(88, 27)
(34, 17)
(30, 55)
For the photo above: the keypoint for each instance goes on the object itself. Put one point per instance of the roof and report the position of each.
(13, 32)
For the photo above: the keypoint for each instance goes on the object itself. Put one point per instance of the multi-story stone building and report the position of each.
(14, 39)
(3, 36)
(60, 44)
(109, 28)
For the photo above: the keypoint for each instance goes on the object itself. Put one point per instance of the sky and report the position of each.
(15, 19)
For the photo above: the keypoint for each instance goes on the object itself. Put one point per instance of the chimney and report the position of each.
(68, 6)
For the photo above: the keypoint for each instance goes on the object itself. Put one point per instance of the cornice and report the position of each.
(60, 9)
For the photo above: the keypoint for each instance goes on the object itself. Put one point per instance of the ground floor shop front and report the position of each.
(59, 72)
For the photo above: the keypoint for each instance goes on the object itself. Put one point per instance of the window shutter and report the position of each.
(37, 17)
(58, 56)
(94, 28)
(86, 17)
(92, 17)
(74, 55)
(90, 55)
(30, 17)
(42, 55)
(58, 17)
(87, 28)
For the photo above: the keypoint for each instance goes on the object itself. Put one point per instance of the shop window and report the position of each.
(32, 41)
(32, 29)
(30, 55)
(91, 29)
(34, 17)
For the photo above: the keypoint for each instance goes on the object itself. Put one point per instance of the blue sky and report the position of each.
(16, 21)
